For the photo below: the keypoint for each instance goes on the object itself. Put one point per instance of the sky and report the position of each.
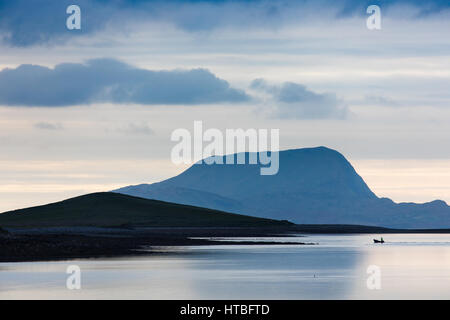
(93, 109)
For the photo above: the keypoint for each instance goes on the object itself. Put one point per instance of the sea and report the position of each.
(406, 266)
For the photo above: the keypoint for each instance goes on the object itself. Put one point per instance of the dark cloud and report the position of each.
(25, 22)
(293, 100)
(107, 80)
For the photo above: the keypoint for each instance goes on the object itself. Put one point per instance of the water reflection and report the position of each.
(413, 266)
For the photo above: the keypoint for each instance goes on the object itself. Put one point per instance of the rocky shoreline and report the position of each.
(38, 245)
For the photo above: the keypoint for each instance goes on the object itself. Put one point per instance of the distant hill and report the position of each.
(313, 186)
(111, 210)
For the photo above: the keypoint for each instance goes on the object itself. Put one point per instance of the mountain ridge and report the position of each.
(313, 185)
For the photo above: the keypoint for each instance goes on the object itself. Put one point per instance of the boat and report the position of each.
(378, 241)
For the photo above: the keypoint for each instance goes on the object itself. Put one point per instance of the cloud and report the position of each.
(25, 23)
(136, 129)
(48, 126)
(378, 100)
(108, 80)
(293, 100)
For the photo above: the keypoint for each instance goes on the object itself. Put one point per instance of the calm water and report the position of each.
(412, 266)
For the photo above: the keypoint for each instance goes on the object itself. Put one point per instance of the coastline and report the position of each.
(66, 243)
(79, 243)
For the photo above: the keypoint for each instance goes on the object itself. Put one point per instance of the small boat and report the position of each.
(378, 241)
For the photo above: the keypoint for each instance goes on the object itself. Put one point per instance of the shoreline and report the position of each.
(81, 243)
(67, 243)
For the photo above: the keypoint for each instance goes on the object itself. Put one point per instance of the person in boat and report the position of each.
(378, 241)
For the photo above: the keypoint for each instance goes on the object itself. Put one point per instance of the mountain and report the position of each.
(109, 209)
(313, 186)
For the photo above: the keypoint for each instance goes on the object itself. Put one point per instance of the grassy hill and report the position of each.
(113, 210)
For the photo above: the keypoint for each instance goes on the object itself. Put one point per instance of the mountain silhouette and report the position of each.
(313, 186)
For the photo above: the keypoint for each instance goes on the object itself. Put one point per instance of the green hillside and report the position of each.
(112, 210)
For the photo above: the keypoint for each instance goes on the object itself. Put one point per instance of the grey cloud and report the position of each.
(136, 129)
(380, 101)
(107, 80)
(293, 100)
(48, 126)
